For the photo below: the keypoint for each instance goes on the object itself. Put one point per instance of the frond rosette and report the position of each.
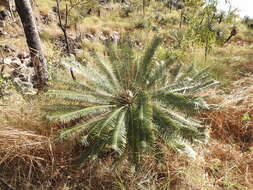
(124, 104)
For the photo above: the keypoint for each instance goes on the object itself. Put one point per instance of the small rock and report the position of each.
(8, 49)
(4, 14)
(2, 32)
(2, 23)
(7, 61)
(21, 56)
(89, 36)
(15, 62)
(115, 37)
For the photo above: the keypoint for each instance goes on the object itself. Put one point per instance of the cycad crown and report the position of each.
(125, 104)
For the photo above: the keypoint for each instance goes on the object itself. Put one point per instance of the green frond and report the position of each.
(133, 137)
(93, 77)
(178, 144)
(114, 114)
(146, 64)
(77, 114)
(176, 116)
(106, 70)
(160, 73)
(181, 101)
(77, 97)
(143, 119)
(119, 134)
(80, 128)
(165, 122)
(128, 68)
(82, 87)
(60, 107)
(114, 60)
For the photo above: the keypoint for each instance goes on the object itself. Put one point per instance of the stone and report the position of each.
(2, 32)
(15, 62)
(21, 56)
(4, 14)
(7, 61)
(89, 36)
(7, 49)
(115, 37)
(2, 23)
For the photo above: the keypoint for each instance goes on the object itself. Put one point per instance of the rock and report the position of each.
(115, 37)
(2, 24)
(7, 49)
(7, 61)
(89, 37)
(21, 55)
(46, 18)
(15, 62)
(17, 69)
(103, 38)
(2, 32)
(55, 9)
(25, 87)
(4, 14)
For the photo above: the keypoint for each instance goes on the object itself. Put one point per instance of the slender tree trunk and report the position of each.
(24, 10)
(65, 25)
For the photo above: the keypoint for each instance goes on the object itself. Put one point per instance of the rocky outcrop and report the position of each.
(20, 71)
(76, 43)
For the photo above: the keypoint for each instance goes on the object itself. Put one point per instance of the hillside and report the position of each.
(33, 158)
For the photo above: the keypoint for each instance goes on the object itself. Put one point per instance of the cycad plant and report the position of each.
(126, 104)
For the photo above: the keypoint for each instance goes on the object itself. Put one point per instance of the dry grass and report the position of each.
(232, 121)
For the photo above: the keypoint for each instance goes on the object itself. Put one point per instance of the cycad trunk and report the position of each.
(24, 10)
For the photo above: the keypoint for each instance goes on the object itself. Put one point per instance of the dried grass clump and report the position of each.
(17, 143)
(25, 150)
(232, 121)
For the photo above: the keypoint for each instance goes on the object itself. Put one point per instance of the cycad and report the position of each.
(126, 104)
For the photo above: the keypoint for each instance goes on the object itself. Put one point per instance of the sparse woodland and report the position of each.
(125, 95)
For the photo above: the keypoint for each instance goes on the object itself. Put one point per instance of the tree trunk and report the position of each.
(24, 10)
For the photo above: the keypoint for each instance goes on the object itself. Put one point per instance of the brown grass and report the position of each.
(232, 121)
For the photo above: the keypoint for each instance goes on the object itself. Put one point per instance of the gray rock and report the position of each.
(7, 49)
(17, 69)
(2, 32)
(4, 14)
(115, 37)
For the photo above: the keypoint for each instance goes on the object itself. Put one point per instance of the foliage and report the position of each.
(204, 25)
(126, 104)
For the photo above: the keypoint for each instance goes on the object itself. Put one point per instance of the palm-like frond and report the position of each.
(124, 104)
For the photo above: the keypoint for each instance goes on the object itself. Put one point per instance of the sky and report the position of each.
(245, 6)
